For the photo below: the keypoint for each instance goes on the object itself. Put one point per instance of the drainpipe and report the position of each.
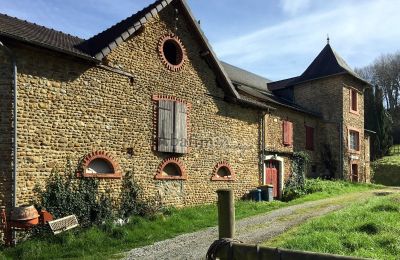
(341, 149)
(262, 146)
(14, 177)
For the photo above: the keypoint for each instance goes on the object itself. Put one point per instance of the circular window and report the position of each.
(172, 52)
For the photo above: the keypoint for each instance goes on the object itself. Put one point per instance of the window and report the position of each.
(354, 140)
(309, 138)
(100, 164)
(287, 133)
(172, 124)
(353, 100)
(171, 169)
(172, 52)
(223, 172)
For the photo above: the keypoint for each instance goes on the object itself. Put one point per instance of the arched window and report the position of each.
(171, 169)
(100, 164)
(223, 172)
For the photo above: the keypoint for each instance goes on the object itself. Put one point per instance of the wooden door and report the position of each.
(354, 172)
(271, 176)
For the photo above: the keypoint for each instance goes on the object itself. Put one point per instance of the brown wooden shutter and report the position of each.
(309, 138)
(287, 133)
(165, 126)
(180, 141)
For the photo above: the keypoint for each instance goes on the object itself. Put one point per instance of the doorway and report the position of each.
(272, 176)
(354, 172)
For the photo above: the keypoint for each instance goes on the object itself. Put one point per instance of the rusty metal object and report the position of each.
(25, 214)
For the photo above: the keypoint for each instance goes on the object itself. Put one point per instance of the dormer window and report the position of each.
(353, 101)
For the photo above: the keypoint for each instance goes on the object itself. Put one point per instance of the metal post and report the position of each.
(226, 213)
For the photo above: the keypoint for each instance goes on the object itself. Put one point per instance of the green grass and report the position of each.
(370, 229)
(396, 146)
(106, 241)
(387, 170)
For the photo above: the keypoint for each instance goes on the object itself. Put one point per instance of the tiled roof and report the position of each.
(243, 77)
(103, 43)
(327, 63)
(17, 29)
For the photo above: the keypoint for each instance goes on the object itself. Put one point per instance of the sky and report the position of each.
(274, 38)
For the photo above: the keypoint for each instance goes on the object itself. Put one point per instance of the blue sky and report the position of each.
(276, 38)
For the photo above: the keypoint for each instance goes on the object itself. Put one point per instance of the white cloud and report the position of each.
(294, 6)
(359, 32)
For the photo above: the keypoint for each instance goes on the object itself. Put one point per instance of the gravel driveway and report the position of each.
(253, 230)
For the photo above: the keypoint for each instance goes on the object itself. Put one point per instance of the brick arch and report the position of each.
(227, 166)
(178, 43)
(107, 157)
(177, 163)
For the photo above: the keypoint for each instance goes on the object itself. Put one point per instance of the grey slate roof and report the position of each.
(242, 77)
(327, 63)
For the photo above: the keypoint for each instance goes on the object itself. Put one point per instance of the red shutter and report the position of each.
(309, 138)
(287, 133)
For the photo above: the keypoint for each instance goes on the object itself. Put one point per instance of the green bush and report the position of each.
(295, 185)
(66, 195)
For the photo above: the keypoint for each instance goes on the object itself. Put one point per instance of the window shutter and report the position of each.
(165, 126)
(287, 133)
(180, 141)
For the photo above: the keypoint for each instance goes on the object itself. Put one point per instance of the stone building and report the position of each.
(149, 96)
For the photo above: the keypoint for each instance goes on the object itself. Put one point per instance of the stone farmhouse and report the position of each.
(149, 96)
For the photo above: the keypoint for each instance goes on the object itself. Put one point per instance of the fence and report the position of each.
(228, 248)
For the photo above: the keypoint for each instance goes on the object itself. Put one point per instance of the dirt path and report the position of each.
(253, 230)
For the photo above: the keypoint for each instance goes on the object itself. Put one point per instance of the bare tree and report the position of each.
(384, 73)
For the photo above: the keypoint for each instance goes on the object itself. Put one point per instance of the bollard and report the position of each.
(226, 213)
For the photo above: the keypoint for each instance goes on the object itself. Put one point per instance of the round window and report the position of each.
(172, 52)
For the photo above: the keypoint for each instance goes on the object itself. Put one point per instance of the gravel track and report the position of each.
(254, 230)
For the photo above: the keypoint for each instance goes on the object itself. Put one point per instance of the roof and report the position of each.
(244, 77)
(327, 63)
(98, 46)
(14, 28)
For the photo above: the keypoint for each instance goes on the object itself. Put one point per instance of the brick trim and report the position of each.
(217, 167)
(178, 43)
(155, 99)
(356, 112)
(176, 162)
(106, 157)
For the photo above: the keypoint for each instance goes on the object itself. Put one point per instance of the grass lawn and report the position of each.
(387, 170)
(370, 230)
(106, 241)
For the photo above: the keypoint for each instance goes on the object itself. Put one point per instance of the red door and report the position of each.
(271, 175)
(354, 172)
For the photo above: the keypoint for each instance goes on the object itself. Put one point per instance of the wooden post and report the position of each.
(226, 213)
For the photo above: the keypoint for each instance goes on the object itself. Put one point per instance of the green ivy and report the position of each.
(295, 185)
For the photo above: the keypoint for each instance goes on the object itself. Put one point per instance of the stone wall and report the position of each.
(69, 108)
(274, 136)
(331, 98)
(6, 130)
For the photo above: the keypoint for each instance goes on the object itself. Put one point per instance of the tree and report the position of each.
(383, 140)
(384, 73)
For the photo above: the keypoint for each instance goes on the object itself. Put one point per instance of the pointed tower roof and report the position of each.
(327, 63)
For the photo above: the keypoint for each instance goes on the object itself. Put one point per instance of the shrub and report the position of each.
(295, 185)
(66, 195)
